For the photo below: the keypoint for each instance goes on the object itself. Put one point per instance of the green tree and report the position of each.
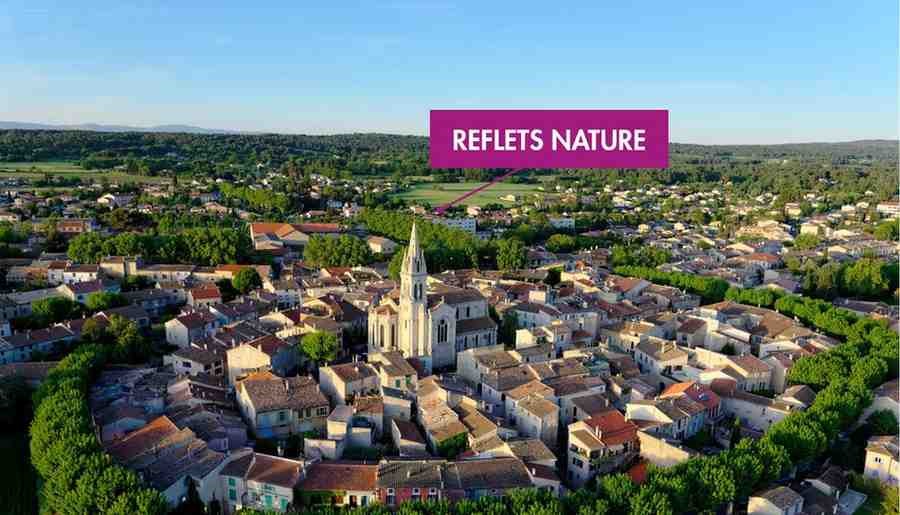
(87, 247)
(320, 346)
(883, 422)
(865, 277)
(561, 243)
(889, 230)
(246, 279)
(92, 331)
(511, 254)
(806, 241)
(102, 300)
(55, 309)
(345, 250)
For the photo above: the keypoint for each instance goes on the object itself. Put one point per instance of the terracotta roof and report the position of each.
(205, 292)
(613, 428)
(339, 476)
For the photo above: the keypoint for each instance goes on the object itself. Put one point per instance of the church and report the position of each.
(426, 320)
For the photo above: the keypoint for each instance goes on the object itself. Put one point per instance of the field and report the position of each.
(18, 493)
(441, 192)
(38, 169)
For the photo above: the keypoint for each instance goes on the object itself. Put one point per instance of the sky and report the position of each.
(761, 72)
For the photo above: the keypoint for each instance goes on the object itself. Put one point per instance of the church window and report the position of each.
(381, 335)
(468, 311)
(393, 336)
(442, 331)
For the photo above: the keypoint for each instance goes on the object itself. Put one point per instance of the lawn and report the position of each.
(38, 169)
(18, 487)
(441, 192)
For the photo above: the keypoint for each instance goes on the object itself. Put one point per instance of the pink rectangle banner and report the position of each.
(583, 138)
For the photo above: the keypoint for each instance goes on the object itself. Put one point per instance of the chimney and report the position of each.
(287, 385)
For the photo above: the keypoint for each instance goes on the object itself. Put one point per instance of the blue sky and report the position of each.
(762, 72)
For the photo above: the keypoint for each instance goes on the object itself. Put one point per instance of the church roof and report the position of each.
(471, 325)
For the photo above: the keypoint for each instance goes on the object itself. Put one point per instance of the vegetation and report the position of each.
(345, 250)
(102, 300)
(437, 193)
(445, 248)
(638, 255)
(52, 310)
(453, 446)
(710, 289)
(208, 246)
(78, 477)
(245, 280)
(320, 346)
(511, 254)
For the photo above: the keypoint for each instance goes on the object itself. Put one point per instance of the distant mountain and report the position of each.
(96, 127)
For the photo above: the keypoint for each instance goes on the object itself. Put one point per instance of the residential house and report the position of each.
(408, 439)
(193, 360)
(204, 295)
(341, 383)
(599, 445)
(169, 458)
(277, 407)
(191, 327)
(883, 459)
(340, 484)
(259, 481)
(267, 352)
(779, 500)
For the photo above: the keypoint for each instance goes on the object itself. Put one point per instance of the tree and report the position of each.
(561, 243)
(246, 279)
(320, 346)
(866, 278)
(883, 422)
(55, 309)
(889, 230)
(511, 254)
(345, 250)
(92, 331)
(617, 490)
(102, 300)
(87, 248)
(508, 326)
(806, 241)
(130, 344)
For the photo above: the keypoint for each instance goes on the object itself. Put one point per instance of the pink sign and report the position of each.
(584, 138)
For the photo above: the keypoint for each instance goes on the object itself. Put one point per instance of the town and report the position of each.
(280, 336)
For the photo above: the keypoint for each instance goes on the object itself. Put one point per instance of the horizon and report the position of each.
(149, 129)
(728, 74)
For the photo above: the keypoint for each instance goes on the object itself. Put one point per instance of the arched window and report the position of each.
(393, 336)
(381, 335)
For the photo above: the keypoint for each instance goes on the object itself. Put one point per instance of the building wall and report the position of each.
(659, 452)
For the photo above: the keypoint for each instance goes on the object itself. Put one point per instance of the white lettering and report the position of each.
(640, 137)
(459, 140)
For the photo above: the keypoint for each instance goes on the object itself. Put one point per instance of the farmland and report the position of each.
(38, 169)
(441, 192)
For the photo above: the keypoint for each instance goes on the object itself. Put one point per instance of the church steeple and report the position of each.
(414, 260)
(413, 273)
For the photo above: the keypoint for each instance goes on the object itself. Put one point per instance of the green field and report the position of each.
(38, 169)
(441, 192)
